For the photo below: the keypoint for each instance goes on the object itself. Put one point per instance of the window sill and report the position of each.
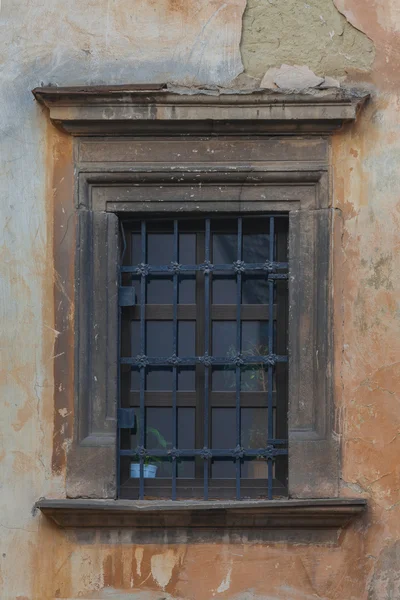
(259, 514)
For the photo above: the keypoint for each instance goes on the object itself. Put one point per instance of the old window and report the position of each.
(204, 357)
(210, 355)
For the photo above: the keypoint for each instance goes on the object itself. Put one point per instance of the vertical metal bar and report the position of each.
(238, 351)
(175, 369)
(142, 352)
(270, 348)
(119, 360)
(206, 351)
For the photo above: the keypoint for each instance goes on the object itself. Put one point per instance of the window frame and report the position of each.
(106, 189)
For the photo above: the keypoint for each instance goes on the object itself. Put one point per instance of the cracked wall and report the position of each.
(196, 42)
(309, 32)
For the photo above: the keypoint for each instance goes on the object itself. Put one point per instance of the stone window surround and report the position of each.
(291, 132)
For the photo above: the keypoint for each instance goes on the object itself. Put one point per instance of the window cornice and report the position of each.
(116, 110)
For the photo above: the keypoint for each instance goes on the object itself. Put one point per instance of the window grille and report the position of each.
(203, 359)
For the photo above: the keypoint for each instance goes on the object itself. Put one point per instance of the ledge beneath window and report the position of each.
(258, 514)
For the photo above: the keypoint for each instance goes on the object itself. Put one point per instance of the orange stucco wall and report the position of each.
(200, 46)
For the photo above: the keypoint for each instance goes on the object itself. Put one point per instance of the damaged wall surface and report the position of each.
(312, 33)
(198, 43)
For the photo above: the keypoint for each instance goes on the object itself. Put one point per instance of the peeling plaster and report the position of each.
(162, 566)
(311, 33)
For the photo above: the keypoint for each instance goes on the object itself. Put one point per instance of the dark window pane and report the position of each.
(135, 338)
(158, 436)
(160, 289)
(254, 378)
(135, 379)
(254, 422)
(255, 247)
(187, 289)
(159, 338)
(255, 289)
(136, 250)
(224, 248)
(160, 248)
(186, 338)
(223, 423)
(186, 440)
(224, 338)
(186, 379)
(223, 379)
(224, 289)
(187, 248)
(159, 379)
(254, 338)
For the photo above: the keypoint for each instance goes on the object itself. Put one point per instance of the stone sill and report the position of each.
(258, 514)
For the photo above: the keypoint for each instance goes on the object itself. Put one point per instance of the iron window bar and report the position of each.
(271, 269)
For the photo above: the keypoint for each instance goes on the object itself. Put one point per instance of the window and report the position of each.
(204, 358)
(148, 151)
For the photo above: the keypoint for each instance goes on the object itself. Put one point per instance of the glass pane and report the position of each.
(159, 379)
(186, 338)
(223, 379)
(136, 250)
(255, 289)
(254, 338)
(160, 289)
(187, 289)
(254, 378)
(255, 247)
(187, 248)
(224, 338)
(160, 248)
(186, 440)
(135, 338)
(254, 435)
(223, 427)
(159, 338)
(224, 248)
(224, 289)
(159, 437)
(186, 379)
(135, 379)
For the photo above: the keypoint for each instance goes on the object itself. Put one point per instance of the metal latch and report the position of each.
(126, 418)
(127, 295)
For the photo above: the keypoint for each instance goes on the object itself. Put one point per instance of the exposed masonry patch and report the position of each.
(296, 32)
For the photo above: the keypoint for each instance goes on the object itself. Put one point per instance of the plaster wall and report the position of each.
(197, 43)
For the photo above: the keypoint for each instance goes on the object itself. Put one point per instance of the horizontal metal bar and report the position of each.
(144, 269)
(171, 361)
(208, 453)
